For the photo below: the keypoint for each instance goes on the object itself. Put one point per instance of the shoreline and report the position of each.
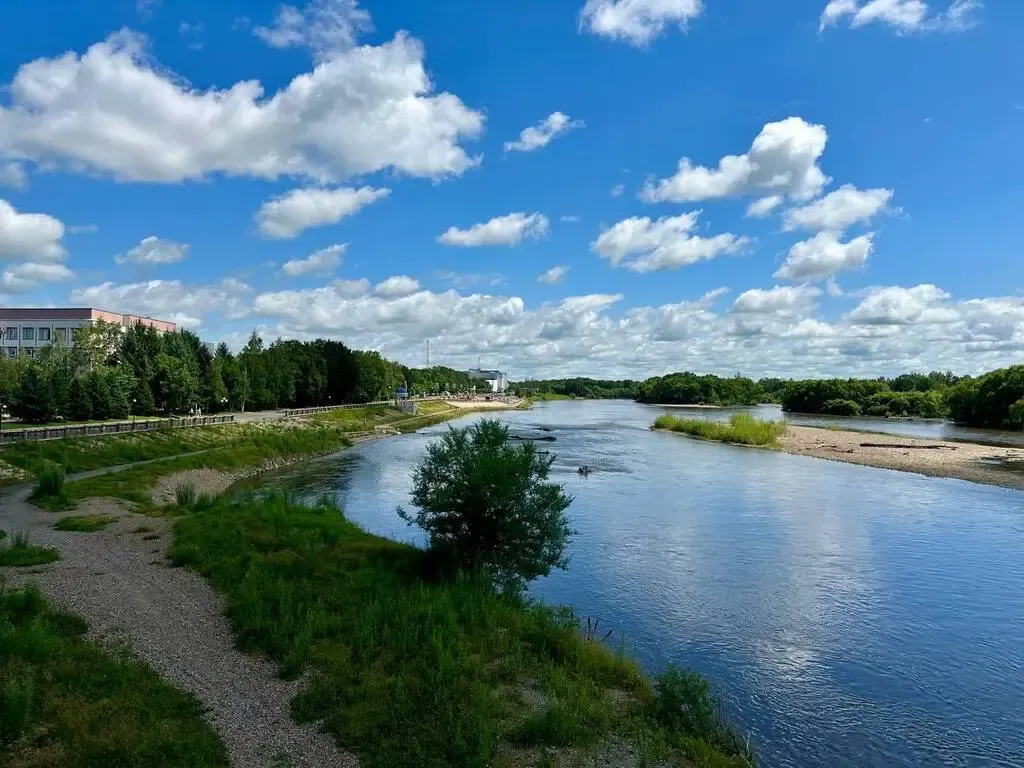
(957, 460)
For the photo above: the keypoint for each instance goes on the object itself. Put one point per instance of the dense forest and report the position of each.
(995, 399)
(111, 373)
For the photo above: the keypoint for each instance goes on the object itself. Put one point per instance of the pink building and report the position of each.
(24, 330)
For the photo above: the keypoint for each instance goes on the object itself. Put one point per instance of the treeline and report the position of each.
(112, 373)
(697, 389)
(588, 389)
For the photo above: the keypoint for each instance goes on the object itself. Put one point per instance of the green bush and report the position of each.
(50, 481)
(84, 523)
(839, 407)
(487, 504)
(16, 699)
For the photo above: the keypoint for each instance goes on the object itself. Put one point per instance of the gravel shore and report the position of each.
(937, 458)
(121, 583)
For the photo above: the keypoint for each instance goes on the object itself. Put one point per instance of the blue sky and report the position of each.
(296, 169)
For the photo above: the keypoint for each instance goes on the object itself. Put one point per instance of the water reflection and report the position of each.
(851, 616)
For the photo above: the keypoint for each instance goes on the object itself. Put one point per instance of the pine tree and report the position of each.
(34, 403)
(79, 400)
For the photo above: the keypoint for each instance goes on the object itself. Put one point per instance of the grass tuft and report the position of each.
(185, 495)
(20, 553)
(84, 523)
(66, 703)
(741, 428)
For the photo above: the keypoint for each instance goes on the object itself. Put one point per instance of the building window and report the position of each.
(12, 333)
(60, 334)
(44, 334)
(28, 334)
(30, 351)
(12, 351)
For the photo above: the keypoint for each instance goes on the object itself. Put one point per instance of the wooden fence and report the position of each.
(108, 428)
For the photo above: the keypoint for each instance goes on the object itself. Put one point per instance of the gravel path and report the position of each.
(120, 582)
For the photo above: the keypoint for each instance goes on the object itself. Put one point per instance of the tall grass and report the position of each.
(742, 428)
(185, 495)
(412, 668)
(66, 703)
(20, 553)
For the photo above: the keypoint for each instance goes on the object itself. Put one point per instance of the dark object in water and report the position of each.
(544, 429)
(584, 470)
(544, 438)
(907, 445)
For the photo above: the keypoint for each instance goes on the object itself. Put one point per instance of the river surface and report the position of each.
(850, 616)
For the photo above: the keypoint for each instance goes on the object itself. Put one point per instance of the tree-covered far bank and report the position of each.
(995, 399)
(112, 373)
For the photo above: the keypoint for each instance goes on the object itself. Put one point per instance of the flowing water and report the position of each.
(850, 616)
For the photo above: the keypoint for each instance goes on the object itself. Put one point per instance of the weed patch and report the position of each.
(20, 553)
(66, 703)
(84, 523)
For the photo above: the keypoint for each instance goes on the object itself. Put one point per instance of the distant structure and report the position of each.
(24, 330)
(496, 381)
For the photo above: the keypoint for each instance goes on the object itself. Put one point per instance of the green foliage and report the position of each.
(20, 553)
(84, 523)
(684, 703)
(67, 703)
(590, 389)
(992, 400)
(487, 504)
(34, 403)
(185, 495)
(79, 400)
(741, 428)
(693, 389)
(49, 481)
(839, 407)
(409, 670)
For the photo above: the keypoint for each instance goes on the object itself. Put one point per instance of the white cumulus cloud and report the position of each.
(397, 286)
(171, 300)
(320, 262)
(783, 160)
(761, 208)
(785, 300)
(323, 26)
(29, 276)
(511, 229)
(554, 275)
(288, 215)
(641, 244)
(13, 175)
(113, 110)
(33, 236)
(637, 22)
(902, 15)
(153, 251)
(825, 256)
(839, 209)
(547, 130)
(895, 305)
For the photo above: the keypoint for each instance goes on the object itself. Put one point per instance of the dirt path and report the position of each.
(121, 583)
(937, 458)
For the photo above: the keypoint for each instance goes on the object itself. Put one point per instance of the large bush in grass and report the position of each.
(487, 505)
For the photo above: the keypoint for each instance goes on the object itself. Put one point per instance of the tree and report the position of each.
(176, 384)
(488, 506)
(34, 401)
(79, 400)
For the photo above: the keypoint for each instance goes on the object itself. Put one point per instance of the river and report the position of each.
(849, 616)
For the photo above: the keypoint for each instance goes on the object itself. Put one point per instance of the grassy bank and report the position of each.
(741, 428)
(84, 454)
(414, 670)
(261, 445)
(66, 703)
(19, 552)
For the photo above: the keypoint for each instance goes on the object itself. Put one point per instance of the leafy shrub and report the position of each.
(839, 407)
(488, 506)
(50, 482)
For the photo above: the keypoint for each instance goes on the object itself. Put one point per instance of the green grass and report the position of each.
(358, 419)
(260, 444)
(66, 703)
(83, 454)
(409, 669)
(84, 523)
(741, 428)
(20, 553)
